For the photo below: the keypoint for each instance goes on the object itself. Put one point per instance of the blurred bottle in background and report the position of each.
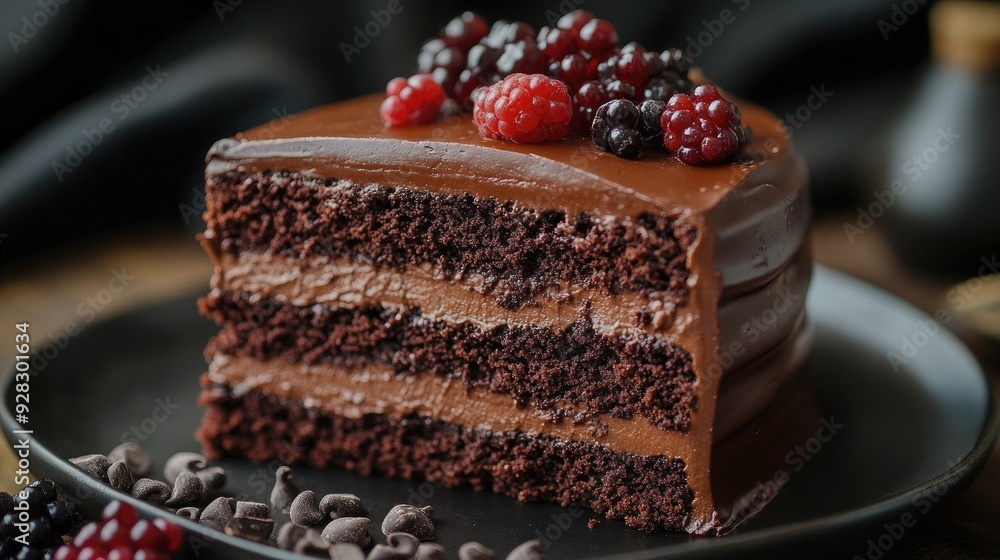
(943, 169)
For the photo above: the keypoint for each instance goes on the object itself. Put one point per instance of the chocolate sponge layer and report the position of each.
(518, 252)
(623, 375)
(530, 468)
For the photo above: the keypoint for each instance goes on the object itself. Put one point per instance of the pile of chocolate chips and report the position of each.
(334, 526)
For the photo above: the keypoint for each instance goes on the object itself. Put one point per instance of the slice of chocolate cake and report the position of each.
(547, 321)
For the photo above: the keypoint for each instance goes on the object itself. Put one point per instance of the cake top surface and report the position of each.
(328, 139)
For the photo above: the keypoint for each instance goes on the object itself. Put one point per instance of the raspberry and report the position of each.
(122, 535)
(524, 108)
(465, 30)
(412, 101)
(702, 127)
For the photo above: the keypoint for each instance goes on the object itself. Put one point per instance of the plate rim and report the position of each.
(956, 478)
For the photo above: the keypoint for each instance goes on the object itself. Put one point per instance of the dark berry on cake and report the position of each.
(650, 113)
(599, 37)
(574, 21)
(465, 30)
(702, 127)
(632, 68)
(412, 101)
(616, 128)
(522, 57)
(524, 108)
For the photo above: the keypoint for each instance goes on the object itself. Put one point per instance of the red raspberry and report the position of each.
(599, 37)
(702, 127)
(574, 21)
(524, 108)
(121, 535)
(412, 101)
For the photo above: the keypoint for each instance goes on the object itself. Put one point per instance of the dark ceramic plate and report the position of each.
(910, 439)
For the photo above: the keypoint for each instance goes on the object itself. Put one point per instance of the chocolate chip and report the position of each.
(250, 528)
(475, 551)
(133, 455)
(188, 490)
(94, 465)
(252, 509)
(218, 514)
(405, 518)
(349, 530)
(302, 540)
(189, 512)
(289, 534)
(346, 551)
(341, 505)
(312, 544)
(402, 546)
(431, 551)
(119, 477)
(151, 491)
(214, 478)
(304, 510)
(284, 491)
(530, 550)
(183, 462)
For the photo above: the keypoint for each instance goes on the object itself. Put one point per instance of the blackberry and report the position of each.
(659, 89)
(619, 89)
(650, 113)
(615, 128)
(49, 518)
(625, 142)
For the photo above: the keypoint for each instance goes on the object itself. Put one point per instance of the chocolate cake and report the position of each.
(589, 291)
(547, 321)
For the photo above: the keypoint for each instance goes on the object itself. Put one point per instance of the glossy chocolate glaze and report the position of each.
(751, 214)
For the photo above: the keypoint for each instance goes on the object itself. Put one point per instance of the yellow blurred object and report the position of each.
(967, 33)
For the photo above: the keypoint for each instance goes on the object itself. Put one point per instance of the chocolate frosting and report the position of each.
(751, 213)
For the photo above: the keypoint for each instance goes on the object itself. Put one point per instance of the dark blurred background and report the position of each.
(166, 79)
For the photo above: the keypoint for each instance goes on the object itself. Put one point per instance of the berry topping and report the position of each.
(702, 127)
(599, 37)
(632, 68)
(574, 21)
(616, 128)
(524, 108)
(122, 535)
(412, 101)
(650, 112)
(465, 30)
(33, 521)
(522, 57)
